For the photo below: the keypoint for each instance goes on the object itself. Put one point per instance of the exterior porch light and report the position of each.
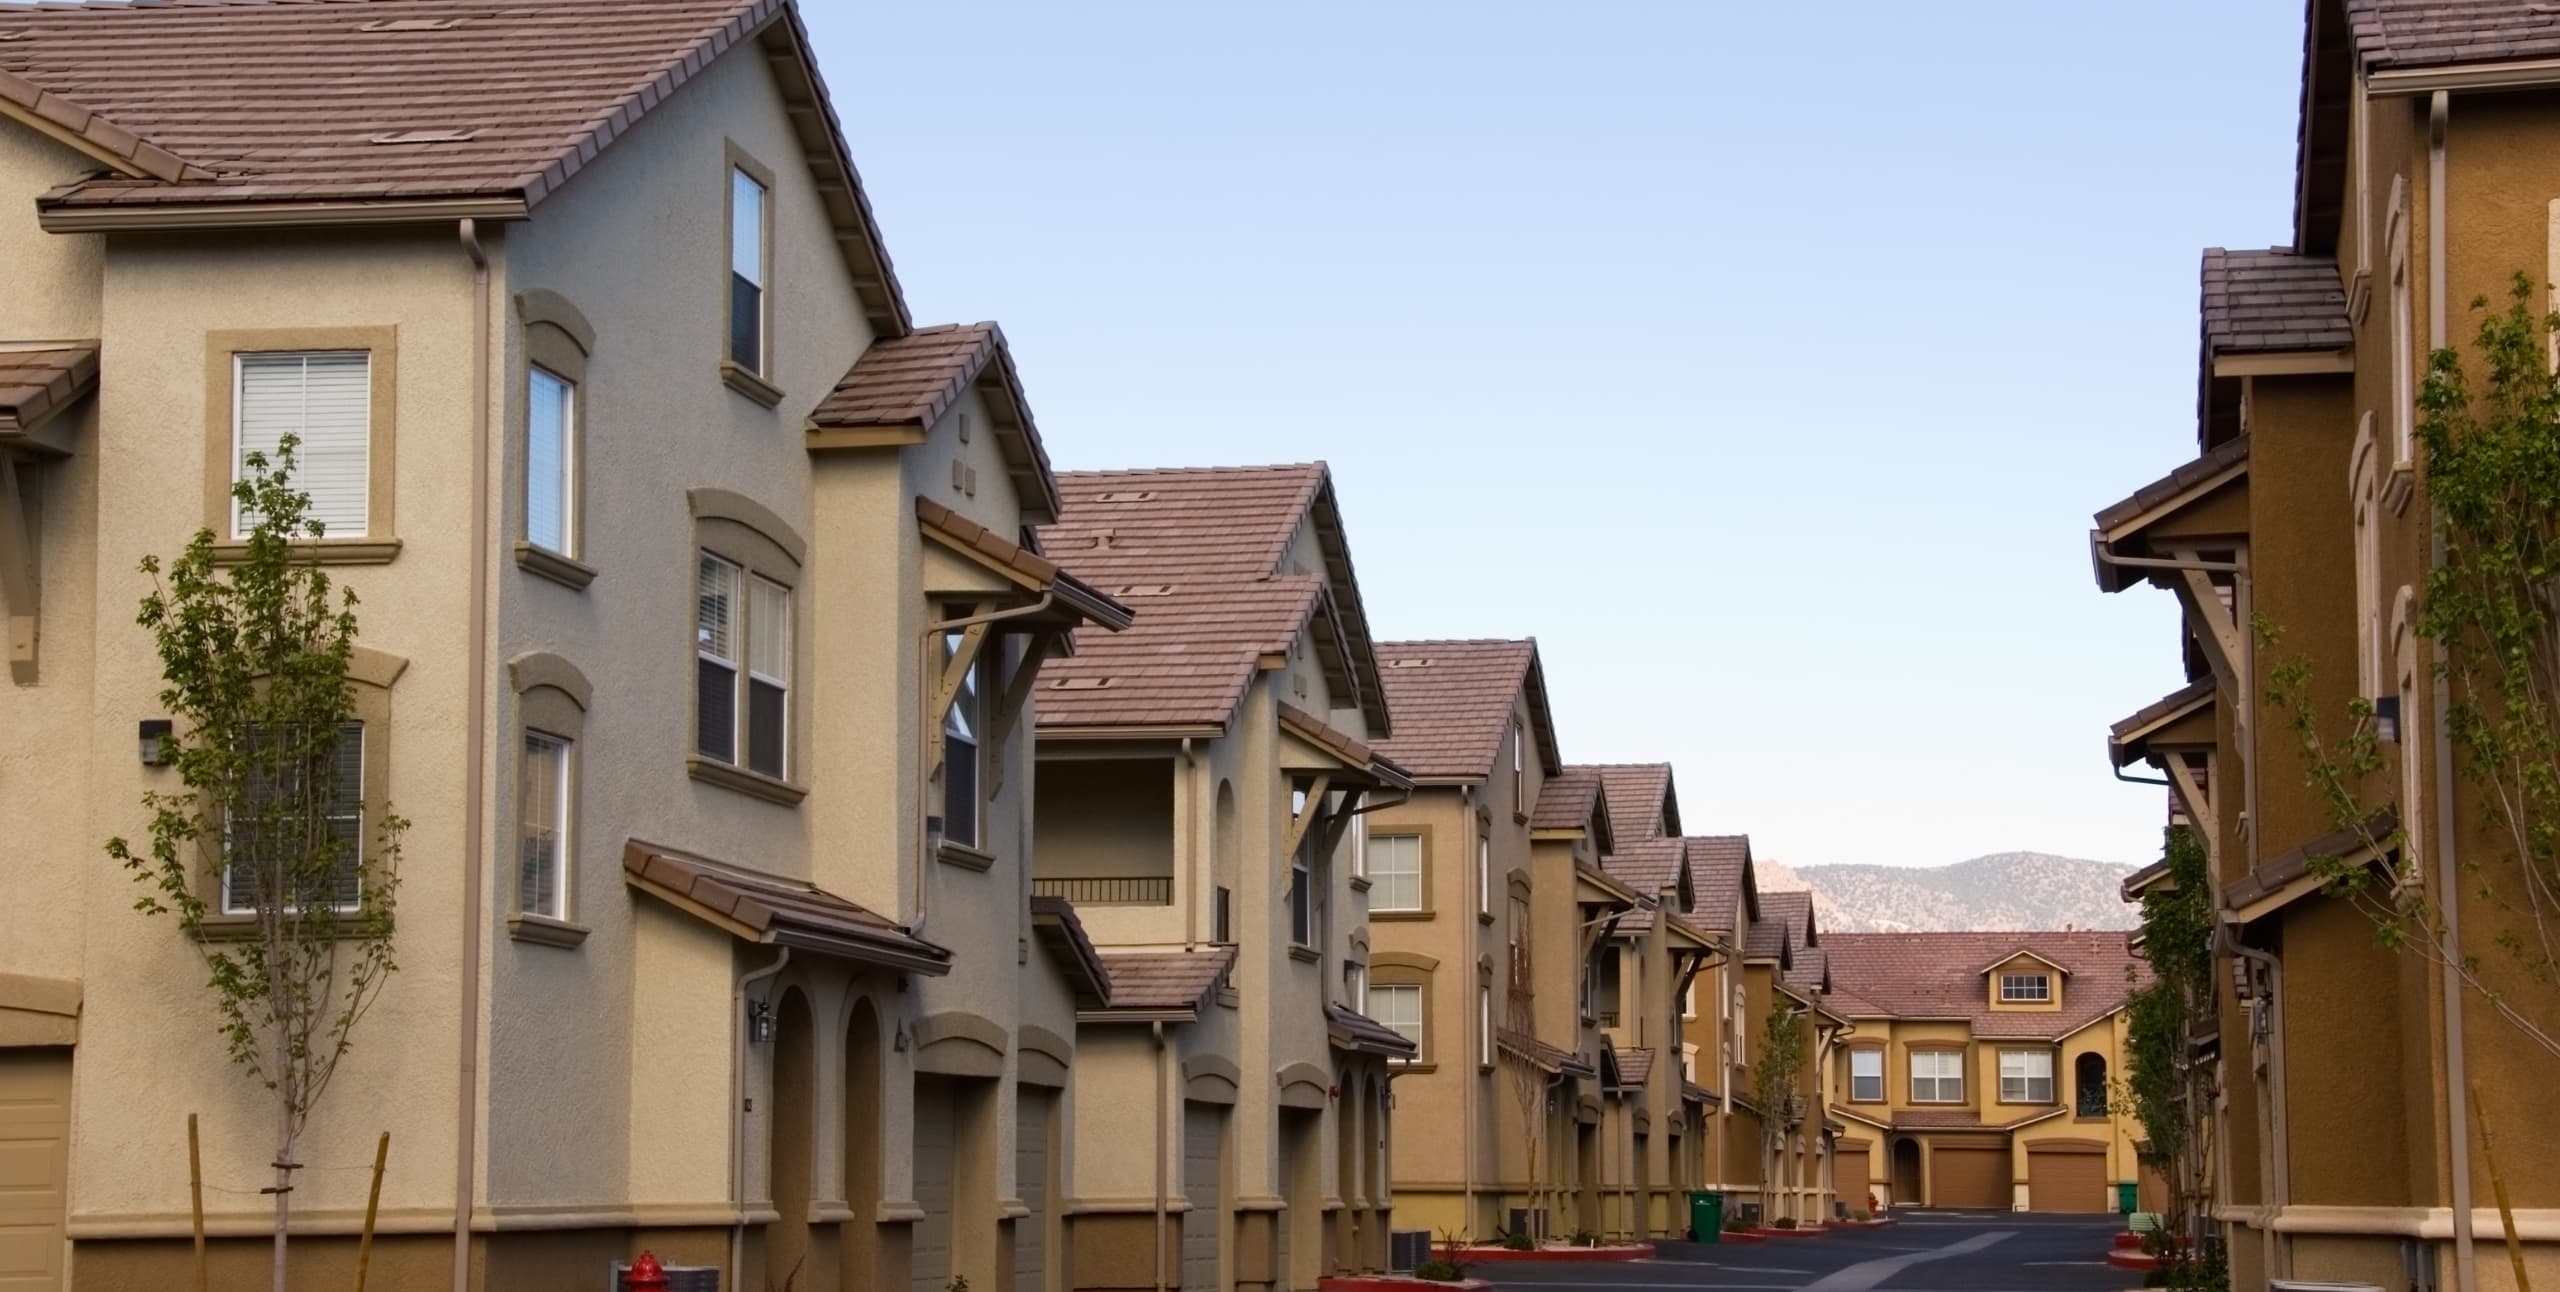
(155, 733)
(761, 1026)
(2386, 719)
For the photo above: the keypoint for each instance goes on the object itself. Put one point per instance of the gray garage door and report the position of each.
(932, 1268)
(1203, 1170)
(1031, 1184)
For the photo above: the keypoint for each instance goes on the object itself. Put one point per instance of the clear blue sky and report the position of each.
(1765, 362)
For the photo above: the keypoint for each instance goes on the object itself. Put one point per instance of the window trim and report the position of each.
(755, 383)
(1417, 981)
(745, 533)
(1855, 1052)
(370, 676)
(985, 675)
(552, 699)
(2042, 983)
(2050, 1081)
(380, 542)
(559, 340)
(1912, 1078)
(1421, 834)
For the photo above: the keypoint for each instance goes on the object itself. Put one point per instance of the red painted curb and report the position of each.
(2126, 1240)
(2125, 1259)
(1798, 1232)
(1398, 1283)
(1739, 1236)
(1864, 1224)
(1489, 1255)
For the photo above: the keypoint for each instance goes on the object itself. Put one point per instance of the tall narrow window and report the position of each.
(1484, 875)
(1302, 899)
(325, 399)
(1519, 774)
(550, 460)
(1866, 1076)
(1355, 985)
(746, 271)
(286, 796)
(543, 821)
(960, 747)
(768, 678)
(2404, 340)
(1395, 872)
(1484, 1024)
(716, 634)
(1399, 1006)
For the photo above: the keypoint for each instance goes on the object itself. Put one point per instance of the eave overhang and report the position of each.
(2291, 876)
(2178, 722)
(1310, 744)
(1071, 601)
(1062, 935)
(2203, 504)
(771, 910)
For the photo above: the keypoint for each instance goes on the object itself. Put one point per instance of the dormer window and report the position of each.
(2025, 988)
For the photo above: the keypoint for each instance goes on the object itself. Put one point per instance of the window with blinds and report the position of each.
(543, 827)
(960, 748)
(1399, 1006)
(325, 399)
(742, 668)
(549, 460)
(1395, 872)
(768, 678)
(262, 848)
(715, 648)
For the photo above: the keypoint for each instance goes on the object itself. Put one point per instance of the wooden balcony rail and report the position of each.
(1110, 890)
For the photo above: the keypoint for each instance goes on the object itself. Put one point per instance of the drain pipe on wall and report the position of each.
(1164, 1104)
(1467, 1005)
(475, 769)
(738, 1108)
(1186, 835)
(2457, 1091)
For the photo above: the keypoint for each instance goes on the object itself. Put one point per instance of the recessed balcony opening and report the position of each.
(1104, 832)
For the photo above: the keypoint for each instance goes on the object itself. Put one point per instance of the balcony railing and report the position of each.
(1109, 890)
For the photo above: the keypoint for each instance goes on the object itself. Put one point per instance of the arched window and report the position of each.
(2089, 1075)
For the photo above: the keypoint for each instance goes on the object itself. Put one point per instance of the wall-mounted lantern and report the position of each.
(158, 742)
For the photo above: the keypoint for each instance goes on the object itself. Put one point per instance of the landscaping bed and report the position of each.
(1550, 1252)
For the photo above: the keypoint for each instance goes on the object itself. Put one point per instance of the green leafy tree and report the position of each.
(1777, 1081)
(261, 855)
(2162, 1089)
(2491, 608)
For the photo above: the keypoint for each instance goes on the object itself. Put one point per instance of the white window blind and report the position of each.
(768, 677)
(1395, 872)
(1398, 1006)
(326, 399)
(1866, 1075)
(715, 636)
(263, 852)
(1937, 1076)
(548, 461)
(2026, 1076)
(544, 826)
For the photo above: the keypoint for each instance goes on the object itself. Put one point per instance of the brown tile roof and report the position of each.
(1334, 740)
(1768, 938)
(1696, 1094)
(1451, 704)
(2222, 457)
(224, 104)
(1649, 865)
(2276, 300)
(2124, 746)
(1034, 569)
(1641, 802)
(1720, 867)
(1635, 1067)
(912, 380)
(1061, 933)
(2433, 33)
(1198, 554)
(1357, 1032)
(2295, 863)
(776, 910)
(1165, 980)
(43, 379)
(1939, 975)
(1539, 1053)
(1569, 800)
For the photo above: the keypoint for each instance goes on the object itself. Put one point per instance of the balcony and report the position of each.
(1109, 890)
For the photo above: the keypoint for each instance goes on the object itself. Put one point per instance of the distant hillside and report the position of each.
(2006, 890)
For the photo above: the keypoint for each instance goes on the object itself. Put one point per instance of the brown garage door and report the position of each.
(35, 1135)
(1849, 1175)
(2066, 1180)
(1968, 1177)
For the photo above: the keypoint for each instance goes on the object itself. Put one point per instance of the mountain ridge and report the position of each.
(2000, 891)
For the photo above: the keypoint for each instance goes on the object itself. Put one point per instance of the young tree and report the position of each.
(1777, 1080)
(2491, 608)
(2162, 1088)
(262, 855)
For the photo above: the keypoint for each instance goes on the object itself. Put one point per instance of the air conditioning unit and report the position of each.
(1407, 1248)
(680, 1278)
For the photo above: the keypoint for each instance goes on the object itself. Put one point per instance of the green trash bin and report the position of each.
(1706, 1216)
(2125, 1199)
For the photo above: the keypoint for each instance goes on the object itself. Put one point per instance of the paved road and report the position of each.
(1942, 1251)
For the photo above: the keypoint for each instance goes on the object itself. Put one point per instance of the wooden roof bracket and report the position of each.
(18, 583)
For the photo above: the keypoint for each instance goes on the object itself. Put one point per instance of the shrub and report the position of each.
(1519, 1242)
(1585, 1238)
(1439, 1269)
(1736, 1225)
(1859, 1214)
(1785, 1222)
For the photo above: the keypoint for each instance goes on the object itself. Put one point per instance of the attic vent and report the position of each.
(1102, 538)
(1136, 495)
(1080, 684)
(1423, 662)
(16, 33)
(427, 136)
(414, 24)
(1145, 590)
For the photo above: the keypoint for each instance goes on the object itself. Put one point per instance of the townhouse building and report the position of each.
(2307, 507)
(1785, 945)
(699, 645)
(1978, 1070)
(1573, 907)
(1200, 777)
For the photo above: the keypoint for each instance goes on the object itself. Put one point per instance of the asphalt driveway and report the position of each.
(1929, 1251)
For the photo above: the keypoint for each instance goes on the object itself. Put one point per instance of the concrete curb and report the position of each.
(2126, 1258)
(1490, 1255)
(1398, 1283)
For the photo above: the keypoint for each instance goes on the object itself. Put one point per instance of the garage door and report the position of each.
(1849, 1175)
(933, 1182)
(1031, 1184)
(1203, 1168)
(2067, 1181)
(35, 1137)
(1969, 1177)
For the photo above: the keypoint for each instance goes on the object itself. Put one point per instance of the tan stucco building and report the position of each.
(698, 644)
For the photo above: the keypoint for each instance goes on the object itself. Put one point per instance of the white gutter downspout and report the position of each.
(1165, 1104)
(2457, 1093)
(1466, 1062)
(2274, 1175)
(475, 769)
(1187, 848)
(738, 1108)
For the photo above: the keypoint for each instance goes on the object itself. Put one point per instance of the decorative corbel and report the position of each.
(1305, 816)
(1016, 697)
(1338, 823)
(18, 585)
(946, 690)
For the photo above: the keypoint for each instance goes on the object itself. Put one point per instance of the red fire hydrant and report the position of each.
(645, 1274)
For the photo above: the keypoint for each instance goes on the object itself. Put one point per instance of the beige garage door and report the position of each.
(35, 1139)
(1031, 1184)
(931, 1256)
(2067, 1180)
(1969, 1177)
(1849, 1175)
(1203, 1175)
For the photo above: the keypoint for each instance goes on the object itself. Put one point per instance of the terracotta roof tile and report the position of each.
(1567, 800)
(1939, 975)
(1790, 916)
(2276, 300)
(1647, 865)
(2430, 33)
(913, 380)
(1451, 702)
(42, 379)
(2213, 462)
(1719, 866)
(1355, 1031)
(960, 531)
(1641, 802)
(779, 910)
(1635, 1067)
(1165, 980)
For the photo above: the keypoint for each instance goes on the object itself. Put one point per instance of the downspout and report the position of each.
(738, 1108)
(466, 1165)
(1467, 1087)
(1183, 831)
(1165, 1103)
(2274, 1151)
(927, 844)
(2457, 1090)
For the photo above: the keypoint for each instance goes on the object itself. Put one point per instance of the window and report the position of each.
(1518, 937)
(2090, 1075)
(1484, 875)
(2366, 501)
(1604, 988)
(258, 853)
(735, 706)
(542, 815)
(747, 232)
(960, 751)
(2026, 1076)
(1484, 1024)
(1355, 985)
(1866, 1076)
(1937, 1076)
(2404, 340)
(1222, 917)
(1519, 776)
(1395, 872)
(550, 461)
(1399, 1006)
(325, 399)
(2029, 988)
(1360, 846)
(1302, 896)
